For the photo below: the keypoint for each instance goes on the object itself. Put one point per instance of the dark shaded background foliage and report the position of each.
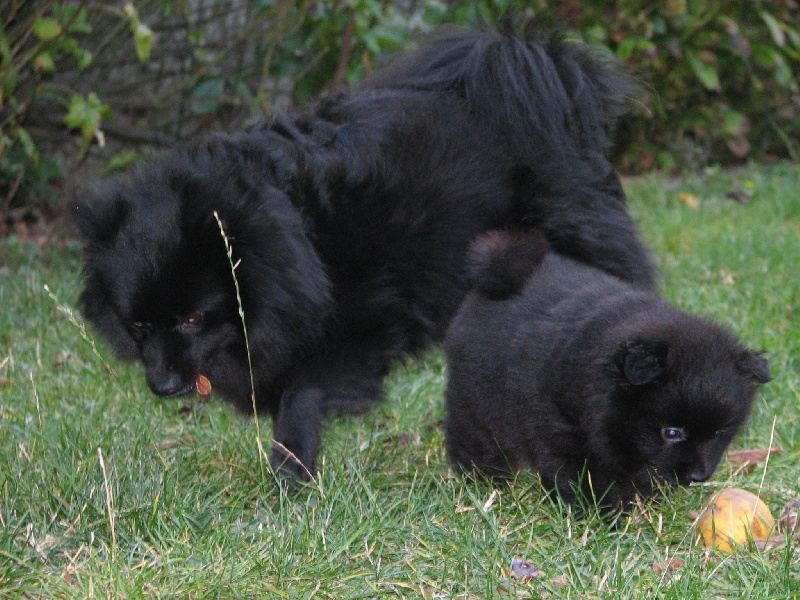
(87, 86)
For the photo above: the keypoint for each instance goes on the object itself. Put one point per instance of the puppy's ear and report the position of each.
(641, 361)
(752, 364)
(500, 262)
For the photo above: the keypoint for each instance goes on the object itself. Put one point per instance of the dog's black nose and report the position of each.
(167, 384)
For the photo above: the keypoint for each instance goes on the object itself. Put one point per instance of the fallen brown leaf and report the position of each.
(741, 195)
(522, 570)
(673, 564)
(739, 458)
(739, 146)
(167, 444)
(788, 519)
(771, 542)
(60, 358)
(690, 200)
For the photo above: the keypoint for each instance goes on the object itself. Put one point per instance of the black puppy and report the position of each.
(584, 378)
(349, 224)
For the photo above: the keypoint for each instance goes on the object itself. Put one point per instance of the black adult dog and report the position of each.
(557, 366)
(349, 223)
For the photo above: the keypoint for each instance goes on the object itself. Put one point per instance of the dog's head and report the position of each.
(160, 284)
(682, 395)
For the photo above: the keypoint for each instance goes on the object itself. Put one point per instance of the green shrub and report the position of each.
(37, 39)
(719, 77)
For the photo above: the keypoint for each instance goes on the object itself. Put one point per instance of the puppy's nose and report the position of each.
(697, 477)
(701, 472)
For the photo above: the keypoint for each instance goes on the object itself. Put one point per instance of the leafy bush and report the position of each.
(157, 71)
(719, 77)
(37, 39)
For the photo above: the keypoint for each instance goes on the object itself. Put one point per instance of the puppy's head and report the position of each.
(683, 393)
(159, 284)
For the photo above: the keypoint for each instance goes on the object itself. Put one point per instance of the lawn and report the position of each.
(106, 491)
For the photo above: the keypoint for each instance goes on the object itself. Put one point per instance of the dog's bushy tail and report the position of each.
(553, 103)
(546, 94)
(500, 262)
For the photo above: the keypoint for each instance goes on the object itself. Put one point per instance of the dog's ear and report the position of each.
(97, 309)
(98, 219)
(752, 364)
(641, 361)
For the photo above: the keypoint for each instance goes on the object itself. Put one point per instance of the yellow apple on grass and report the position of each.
(734, 518)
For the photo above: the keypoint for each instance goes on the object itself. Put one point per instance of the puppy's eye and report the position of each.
(194, 320)
(138, 324)
(673, 434)
(720, 432)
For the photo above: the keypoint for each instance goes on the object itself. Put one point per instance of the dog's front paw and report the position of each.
(291, 469)
(296, 435)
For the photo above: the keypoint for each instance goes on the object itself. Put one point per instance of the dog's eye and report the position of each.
(139, 328)
(720, 432)
(194, 319)
(673, 434)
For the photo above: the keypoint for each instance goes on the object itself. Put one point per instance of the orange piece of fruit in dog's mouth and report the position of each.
(203, 385)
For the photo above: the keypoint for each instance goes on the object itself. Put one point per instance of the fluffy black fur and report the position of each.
(349, 223)
(565, 369)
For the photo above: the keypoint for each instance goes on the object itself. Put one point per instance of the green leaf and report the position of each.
(774, 28)
(207, 95)
(46, 28)
(84, 58)
(5, 47)
(120, 162)
(371, 42)
(794, 36)
(626, 48)
(77, 17)
(86, 114)
(784, 76)
(43, 62)
(8, 85)
(707, 74)
(766, 55)
(734, 123)
(143, 39)
(26, 141)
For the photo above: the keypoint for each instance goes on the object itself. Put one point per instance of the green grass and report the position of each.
(106, 491)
